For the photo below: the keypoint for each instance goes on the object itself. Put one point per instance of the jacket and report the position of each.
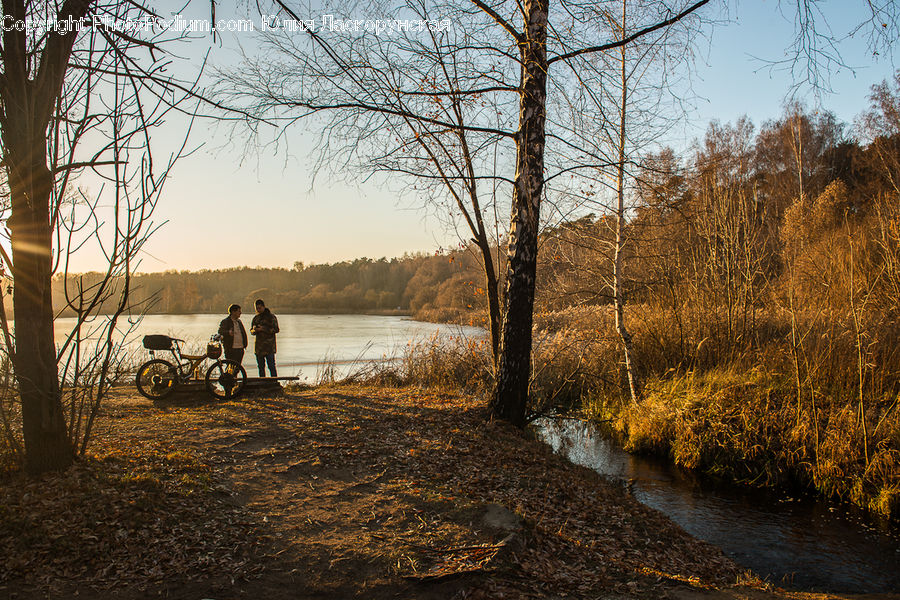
(226, 330)
(264, 326)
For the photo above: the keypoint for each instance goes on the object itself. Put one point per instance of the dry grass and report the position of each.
(747, 425)
(729, 407)
(443, 363)
(817, 409)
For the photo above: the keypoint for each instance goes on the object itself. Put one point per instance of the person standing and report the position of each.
(234, 336)
(264, 326)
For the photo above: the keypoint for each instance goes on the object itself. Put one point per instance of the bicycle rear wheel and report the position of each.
(225, 379)
(156, 379)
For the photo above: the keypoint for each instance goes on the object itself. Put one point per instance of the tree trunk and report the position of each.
(634, 384)
(29, 98)
(47, 444)
(492, 289)
(510, 398)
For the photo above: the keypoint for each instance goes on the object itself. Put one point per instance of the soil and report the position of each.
(340, 492)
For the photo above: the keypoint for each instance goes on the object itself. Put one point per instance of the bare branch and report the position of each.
(634, 36)
(518, 36)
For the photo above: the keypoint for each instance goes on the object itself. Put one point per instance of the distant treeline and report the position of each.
(441, 286)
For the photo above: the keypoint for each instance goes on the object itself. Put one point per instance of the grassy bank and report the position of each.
(761, 411)
(747, 426)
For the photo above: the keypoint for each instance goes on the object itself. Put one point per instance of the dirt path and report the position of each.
(339, 492)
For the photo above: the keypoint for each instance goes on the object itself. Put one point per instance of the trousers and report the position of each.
(262, 360)
(235, 354)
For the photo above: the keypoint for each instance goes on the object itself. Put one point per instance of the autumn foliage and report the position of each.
(763, 285)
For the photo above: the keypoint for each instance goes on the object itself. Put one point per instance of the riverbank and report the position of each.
(337, 492)
(749, 415)
(743, 426)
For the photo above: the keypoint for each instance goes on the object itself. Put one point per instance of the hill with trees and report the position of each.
(432, 287)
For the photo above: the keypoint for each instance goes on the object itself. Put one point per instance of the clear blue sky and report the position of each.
(735, 79)
(225, 210)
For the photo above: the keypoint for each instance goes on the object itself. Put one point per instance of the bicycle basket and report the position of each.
(157, 342)
(214, 350)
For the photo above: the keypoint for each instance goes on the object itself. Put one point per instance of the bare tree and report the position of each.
(533, 38)
(438, 120)
(815, 52)
(69, 73)
(634, 382)
(503, 58)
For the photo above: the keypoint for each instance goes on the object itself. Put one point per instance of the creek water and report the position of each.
(307, 344)
(792, 541)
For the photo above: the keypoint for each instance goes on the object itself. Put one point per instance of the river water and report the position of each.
(306, 342)
(791, 541)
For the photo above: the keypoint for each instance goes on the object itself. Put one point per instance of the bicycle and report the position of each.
(158, 378)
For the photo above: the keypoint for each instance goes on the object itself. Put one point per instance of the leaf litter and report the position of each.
(340, 492)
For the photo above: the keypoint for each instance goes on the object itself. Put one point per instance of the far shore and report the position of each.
(323, 311)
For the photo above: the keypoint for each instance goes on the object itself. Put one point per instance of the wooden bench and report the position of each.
(252, 385)
(264, 384)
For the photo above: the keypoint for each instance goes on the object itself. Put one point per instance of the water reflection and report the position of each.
(798, 542)
(306, 343)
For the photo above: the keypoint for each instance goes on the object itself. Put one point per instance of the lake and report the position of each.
(305, 341)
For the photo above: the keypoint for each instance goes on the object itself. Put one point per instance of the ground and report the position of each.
(339, 492)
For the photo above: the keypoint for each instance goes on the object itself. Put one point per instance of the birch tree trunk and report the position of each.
(510, 398)
(634, 385)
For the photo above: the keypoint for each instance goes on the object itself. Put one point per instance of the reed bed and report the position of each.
(813, 410)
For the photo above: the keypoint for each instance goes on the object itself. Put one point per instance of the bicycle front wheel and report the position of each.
(225, 379)
(156, 379)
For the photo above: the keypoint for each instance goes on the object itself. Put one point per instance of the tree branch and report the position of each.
(632, 37)
(500, 20)
(396, 112)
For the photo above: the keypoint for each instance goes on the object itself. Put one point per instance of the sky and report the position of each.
(223, 208)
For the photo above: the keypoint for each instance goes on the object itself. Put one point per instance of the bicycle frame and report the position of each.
(187, 365)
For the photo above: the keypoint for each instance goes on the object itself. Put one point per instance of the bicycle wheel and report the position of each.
(225, 379)
(156, 379)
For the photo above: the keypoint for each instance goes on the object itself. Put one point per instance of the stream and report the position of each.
(792, 541)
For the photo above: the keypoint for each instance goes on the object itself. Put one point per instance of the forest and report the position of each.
(439, 286)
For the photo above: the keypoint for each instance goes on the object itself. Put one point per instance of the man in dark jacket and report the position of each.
(264, 326)
(234, 336)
